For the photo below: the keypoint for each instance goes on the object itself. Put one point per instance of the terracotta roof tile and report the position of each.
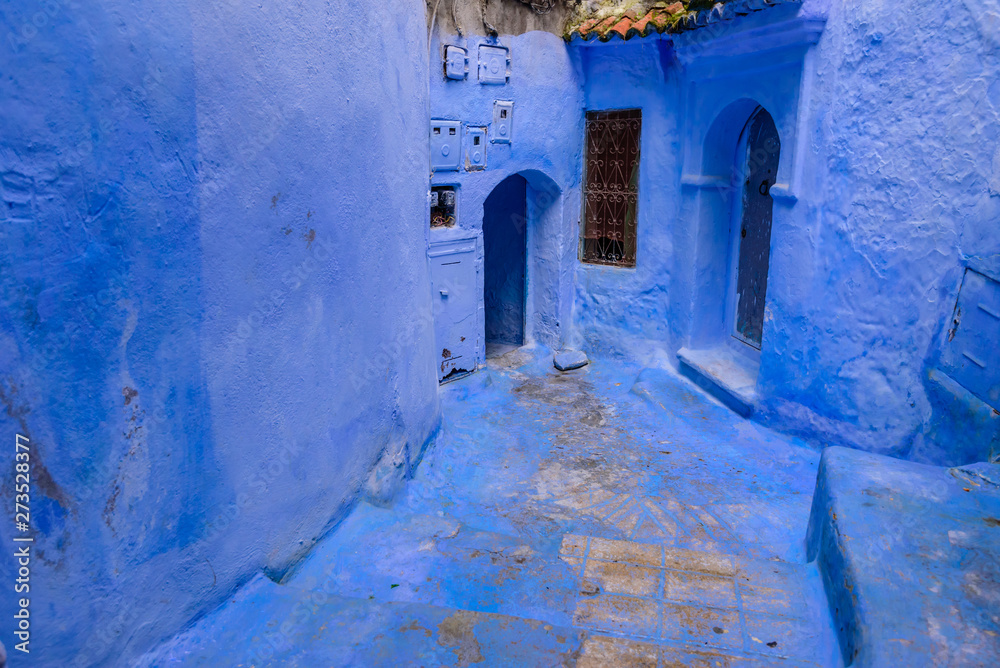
(622, 27)
(640, 25)
(663, 18)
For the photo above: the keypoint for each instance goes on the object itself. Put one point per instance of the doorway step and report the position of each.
(729, 377)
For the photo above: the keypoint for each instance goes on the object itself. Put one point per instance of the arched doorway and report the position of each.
(757, 164)
(504, 248)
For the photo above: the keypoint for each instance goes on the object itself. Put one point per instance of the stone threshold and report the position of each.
(726, 375)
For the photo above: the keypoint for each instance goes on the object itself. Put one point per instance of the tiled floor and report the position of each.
(586, 518)
(694, 599)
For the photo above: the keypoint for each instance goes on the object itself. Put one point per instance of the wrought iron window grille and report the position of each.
(611, 187)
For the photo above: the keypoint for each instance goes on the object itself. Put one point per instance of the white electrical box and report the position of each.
(446, 145)
(494, 65)
(475, 148)
(503, 121)
(456, 63)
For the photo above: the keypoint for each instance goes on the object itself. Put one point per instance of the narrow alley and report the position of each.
(596, 517)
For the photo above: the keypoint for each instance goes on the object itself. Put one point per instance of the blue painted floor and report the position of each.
(607, 516)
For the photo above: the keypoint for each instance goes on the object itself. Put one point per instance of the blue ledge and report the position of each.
(909, 555)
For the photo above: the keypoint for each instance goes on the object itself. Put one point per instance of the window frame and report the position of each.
(620, 193)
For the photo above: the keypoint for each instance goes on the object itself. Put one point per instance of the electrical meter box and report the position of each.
(444, 212)
(456, 289)
(446, 145)
(456, 63)
(503, 121)
(475, 148)
(494, 65)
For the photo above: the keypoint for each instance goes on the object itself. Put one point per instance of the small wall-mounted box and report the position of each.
(475, 148)
(444, 209)
(503, 121)
(456, 63)
(446, 145)
(494, 65)
(970, 353)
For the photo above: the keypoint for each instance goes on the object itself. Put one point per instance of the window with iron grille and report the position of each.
(611, 187)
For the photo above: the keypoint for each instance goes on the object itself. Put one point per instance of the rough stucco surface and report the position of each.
(619, 310)
(896, 194)
(506, 17)
(902, 167)
(215, 314)
(215, 324)
(546, 149)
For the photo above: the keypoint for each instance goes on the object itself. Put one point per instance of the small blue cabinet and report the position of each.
(455, 293)
(971, 352)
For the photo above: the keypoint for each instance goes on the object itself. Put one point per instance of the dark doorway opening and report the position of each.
(759, 172)
(504, 247)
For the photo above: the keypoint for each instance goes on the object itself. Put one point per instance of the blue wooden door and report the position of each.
(760, 171)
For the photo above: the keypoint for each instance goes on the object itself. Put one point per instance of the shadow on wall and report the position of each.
(551, 257)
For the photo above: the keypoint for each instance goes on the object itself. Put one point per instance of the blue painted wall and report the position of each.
(215, 319)
(889, 192)
(901, 194)
(546, 89)
(627, 311)
(216, 322)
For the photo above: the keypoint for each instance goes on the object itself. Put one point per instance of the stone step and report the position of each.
(267, 624)
(910, 555)
(646, 593)
(749, 610)
(440, 561)
(727, 376)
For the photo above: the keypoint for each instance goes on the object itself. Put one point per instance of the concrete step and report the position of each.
(269, 625)
(740, 608)
(440, 561)
(727, 376)
(910, 555)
